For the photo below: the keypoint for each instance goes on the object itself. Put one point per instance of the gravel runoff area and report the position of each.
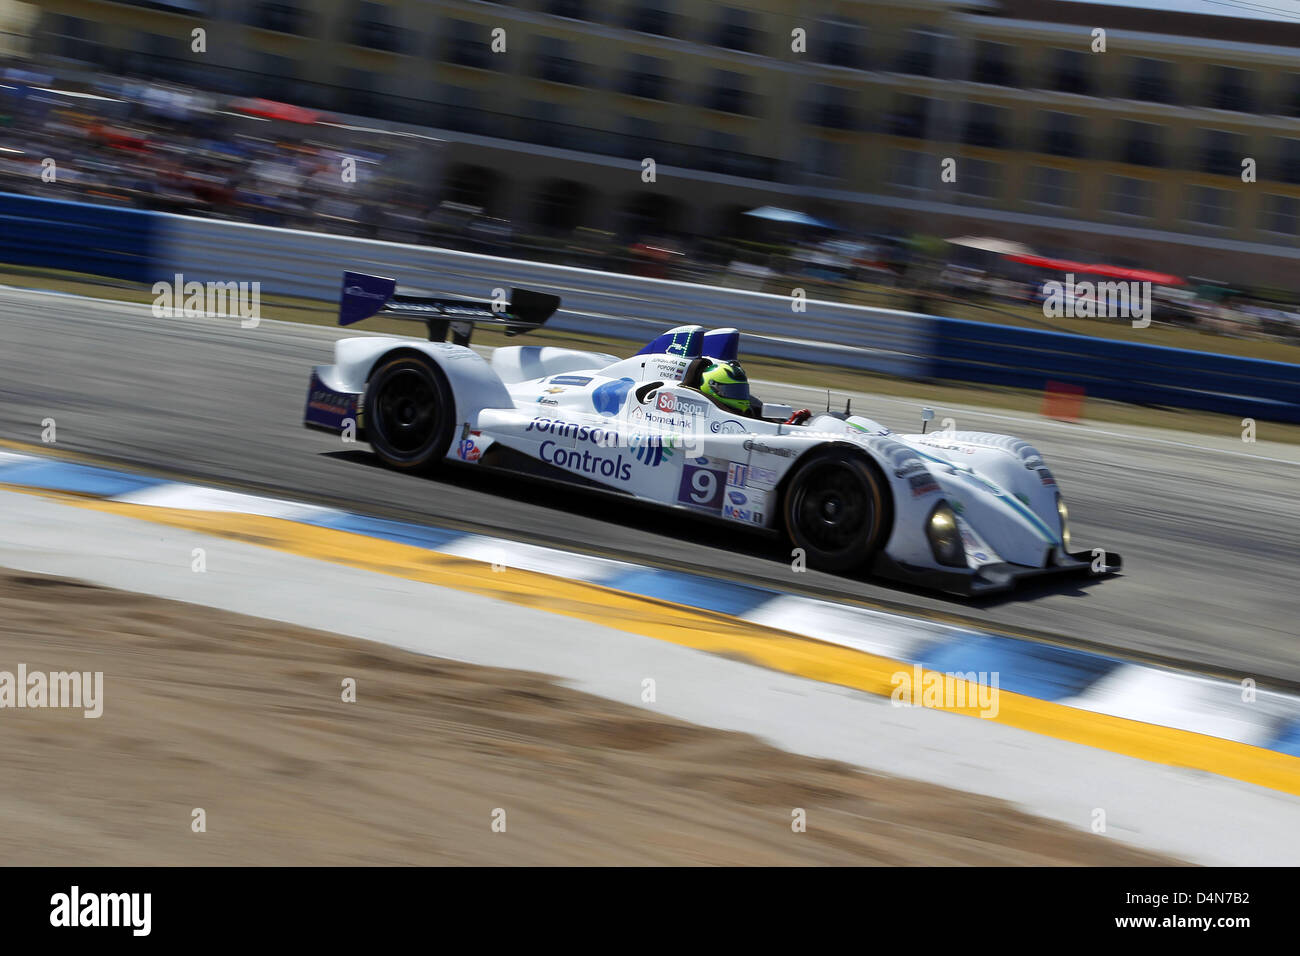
(245, 720)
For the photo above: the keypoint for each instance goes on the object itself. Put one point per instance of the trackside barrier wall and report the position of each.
(150, 247)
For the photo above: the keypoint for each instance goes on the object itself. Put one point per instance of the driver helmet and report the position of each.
(727, 384)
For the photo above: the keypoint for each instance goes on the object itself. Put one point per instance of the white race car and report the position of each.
(965, 512)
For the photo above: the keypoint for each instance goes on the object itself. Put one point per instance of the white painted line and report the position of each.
(1201, 705)
(199, 498)
(862, 629)
(531, 557)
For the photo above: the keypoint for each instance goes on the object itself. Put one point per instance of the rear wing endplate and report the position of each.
(363, 296)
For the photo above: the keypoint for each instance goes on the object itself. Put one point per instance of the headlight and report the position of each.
(1064, 514)
(944, 536)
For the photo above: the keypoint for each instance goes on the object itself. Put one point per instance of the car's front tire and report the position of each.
(409, 413)
(836, 509)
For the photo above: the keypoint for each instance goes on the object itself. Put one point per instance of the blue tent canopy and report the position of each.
(775, 214)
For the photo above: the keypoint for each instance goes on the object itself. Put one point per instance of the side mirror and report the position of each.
(927, 416)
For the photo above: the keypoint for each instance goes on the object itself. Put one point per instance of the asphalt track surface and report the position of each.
(1210, 536)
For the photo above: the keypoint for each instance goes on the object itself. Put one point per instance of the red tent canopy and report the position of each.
(270, 109)
(1113, 272)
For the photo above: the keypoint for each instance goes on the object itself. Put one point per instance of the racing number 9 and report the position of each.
(704, 485)
(702, 488)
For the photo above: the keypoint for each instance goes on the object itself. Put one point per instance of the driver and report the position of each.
(727, 385)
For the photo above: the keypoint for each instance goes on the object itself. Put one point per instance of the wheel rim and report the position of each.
(405, 410)
(833, 509)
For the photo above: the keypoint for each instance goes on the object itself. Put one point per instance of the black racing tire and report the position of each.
(836, 508)
(409, 413)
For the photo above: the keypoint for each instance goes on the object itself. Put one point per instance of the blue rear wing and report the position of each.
(692, 341)
(363, 296)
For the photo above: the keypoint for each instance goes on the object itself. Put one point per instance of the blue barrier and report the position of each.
(1113, 369)
(79, 237)
(147, 247)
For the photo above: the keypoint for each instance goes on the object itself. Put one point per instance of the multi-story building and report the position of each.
(1132, 152)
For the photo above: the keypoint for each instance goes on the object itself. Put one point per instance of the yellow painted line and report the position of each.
(718, 634)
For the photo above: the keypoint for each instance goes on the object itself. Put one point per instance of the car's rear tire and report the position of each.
(836, 509)
(409, 413)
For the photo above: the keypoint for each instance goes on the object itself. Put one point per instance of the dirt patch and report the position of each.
(244, 719)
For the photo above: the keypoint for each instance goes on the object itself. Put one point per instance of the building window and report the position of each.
(1222, 152)
(1062, 135)
(1289, 101)
(824, 158)
(1069, 71)
(1053, 187)
(994, 64)
(555, 62)
(985, 126)
(280, 17)
(1208, 206)
(830, 108)
(920, 53)
(646, 18)
(734, 31)
(467, 45)
(1281, 214)
(74, 39)
(573, 9)
(1288, 161)
(1141, 144)
(910, 117)
(1231, 89)
(372, 28)
(908, 168)
(646, 78)
(641, 137)
(728, 93)
(1150, 81)
(1129, 197)
(978, 177)
(838, 43)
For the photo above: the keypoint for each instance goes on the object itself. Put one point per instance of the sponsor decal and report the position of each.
(468, 450)
(547, 401)
(728, 427)
(737, 473)
(742, 514)
(737, 497)
(702, 488)
(605, 437)
(923, 485)
(674, 404)
(765, 449)
(571, 380)
(598, 466)
(651, 450)
(1045, 477)
(556, 390)
(608, 397)
(669, 368)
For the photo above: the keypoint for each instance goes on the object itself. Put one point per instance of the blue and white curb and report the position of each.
(1075, 678)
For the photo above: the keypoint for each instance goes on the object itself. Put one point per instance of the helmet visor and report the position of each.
(735, 391)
